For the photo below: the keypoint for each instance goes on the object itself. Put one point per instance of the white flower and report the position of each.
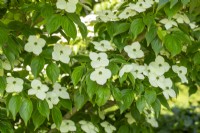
(167, 88)
(6, 65)
(181, 18)
(100, 75)
(106, 15)
(14, 84)
(159, 67)
(134, 51)
(60, 91)
(34, 44)
(168, 23)
(151, 120)
(61, 53)
(38, 89)
(88, 127)
(151, 1)
(181, 71)
(103, 45)
(155, 80)
(130, 118)
(193, 25)
(125, 69)
(98, 59)
(137, 71)
(66, 126)
(108, 127)
(69, 6)
(140, 6)
(126, 13)
(52, 99)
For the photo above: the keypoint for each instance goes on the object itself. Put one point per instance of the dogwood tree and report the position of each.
(94, 66)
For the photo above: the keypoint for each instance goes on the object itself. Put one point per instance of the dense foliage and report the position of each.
(94, 66)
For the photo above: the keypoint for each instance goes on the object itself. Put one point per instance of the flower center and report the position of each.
(49, 99)
(140, 4)
(106, 13)
(38, 88)
(160, 65)
(157, 78)
(35, 43)
(100, 72)
(136, 71)
(134, 50)
(60, 89)
(14, 82)
(148, 111)
(127, 13)
(99, 58)
(167, 88)
(102, 44)
(61, 52)
(180, 71)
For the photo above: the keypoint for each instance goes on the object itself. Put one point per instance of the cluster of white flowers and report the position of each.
(88, 127)
(14, 85)
(99, 62)
(103, 45)
(177, 18)
(69, 6)
(52, 97)
(34, 44)
(131, 10)
(150, 116)
(61, 53)
(66, 126)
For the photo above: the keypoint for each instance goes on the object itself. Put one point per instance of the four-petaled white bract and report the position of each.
(167, 88)
(60, 91)
(88, 127)
(103, 45)
(108, 127)
(61, 53)
(52, 99)
(69, 6)
(98, 59)
(137, 71)
(134, 51)
(125, 69)
(106, 15)
(100, 75)
(181, 71)
(38, 89)
(66, 126)
(168, 23)
(128, 12)
(14, 85)
(34, 44)
(155, 80)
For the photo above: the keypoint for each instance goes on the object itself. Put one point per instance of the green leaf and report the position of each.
(77, 74)
(127, 99)
(43, 108)
(69, 27)
(149, 19)
(192, 89)
(9, 55)
(56, 116)
(137, 26)
(123, 129)
(2, 84)
(66, 103)
(14, 105)
(102, 95)
(80, 99)
(91, 87)
(173, 2)
(157, 107)
(196, 58)
(53, 72)
(4, 36)
(53, 23)
(150, 96)
(76, 19)
(156, 45)
(37, 119)
(131, 78)
(163, 101)
(121, 28)
(116, 93)
(81, 58)
(172, 11)
(135, 113)
(47, 10)
(151, 34)
(114, 68)
(173, 45)
(37, 64)
(185, 2)
(141, 103)
(161, 4)
(26, 110)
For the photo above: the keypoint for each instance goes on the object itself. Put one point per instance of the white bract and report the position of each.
(38, 89)
(61, 53)
(60, 91)
(34, 44)
(126, 13)
(66, 126)
(103, 45)
(167, 88)
(98, 59)
(106, 15)
(155, 80)
(151, 120)
(88, 127)
(130, 118)
(140, 6)
(137, 71)
(134, 51)
(100, 75)
(52, 99)
(168, 23)
(108, 127)
(181, 18)
(125, 69)
(14, 85)
(181, 71)
(149, 112)
(6, 65)
(69, 6)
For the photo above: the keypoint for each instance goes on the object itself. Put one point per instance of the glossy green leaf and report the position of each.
(77, 74)
(37, 64)
(196, 58)
(157, 107)
(150, 96)
(137, 26)
(53, 72)
(151, 34)
(127, 99)
(2, 84)
(141, 103)
(56, 116)
(53, 23)
(102, 95)
(156, 45)
(80, 99)
(14, 105)
(116, 93)
(4, 36)
(43, 108)
(91, 87)
(37, 119)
